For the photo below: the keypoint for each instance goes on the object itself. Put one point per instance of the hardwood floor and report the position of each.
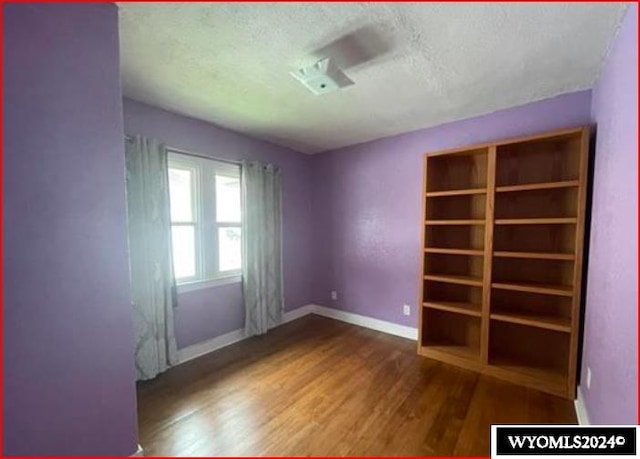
(319, 387)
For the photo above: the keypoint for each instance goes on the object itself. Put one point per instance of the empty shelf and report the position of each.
(562, 290)
(469, 309)
(473, 252)
(538, 186)
(535, 255)
(562, 324)
(456, 350)
(455, 222)
(437, 194)
(549, 376)
(453, 279)
(536, 221)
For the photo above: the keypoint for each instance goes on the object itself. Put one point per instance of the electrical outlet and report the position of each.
(334, 295)
(588, 377)
(406, 310)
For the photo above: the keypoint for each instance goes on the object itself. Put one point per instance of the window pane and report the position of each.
(229, 249)
(227, 198)
(180, 193)
(184, 250)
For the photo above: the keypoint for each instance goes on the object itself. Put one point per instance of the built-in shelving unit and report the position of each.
(503, 230)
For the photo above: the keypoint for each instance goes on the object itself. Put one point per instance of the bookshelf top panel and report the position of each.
(484, 147)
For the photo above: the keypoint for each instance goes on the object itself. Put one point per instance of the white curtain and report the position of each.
(262, 242)
(152, 281)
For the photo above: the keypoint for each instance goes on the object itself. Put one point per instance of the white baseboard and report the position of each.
(213, 344)
(191, 352)
(367, 322)
(297, 313)
(139, 452)
(581, 409)
(200, 349)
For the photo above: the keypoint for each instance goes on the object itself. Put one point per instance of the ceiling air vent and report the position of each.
(322, 77)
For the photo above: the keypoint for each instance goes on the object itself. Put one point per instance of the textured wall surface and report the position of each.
(208, 313)
(611, 328)
(367, 203)
(68, 386)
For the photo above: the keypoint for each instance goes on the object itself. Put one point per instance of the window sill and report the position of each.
(210, 283)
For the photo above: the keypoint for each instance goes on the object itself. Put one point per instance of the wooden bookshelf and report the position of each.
(502, 251)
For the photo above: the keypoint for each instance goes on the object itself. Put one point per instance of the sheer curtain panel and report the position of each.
(152, 281)
(262, 242)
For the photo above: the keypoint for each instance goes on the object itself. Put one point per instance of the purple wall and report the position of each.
(205, 314)
(367, 205)
(68, 384)
(208, 313)
(610, 340)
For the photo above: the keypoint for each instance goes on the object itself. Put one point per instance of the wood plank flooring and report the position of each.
(319, 387)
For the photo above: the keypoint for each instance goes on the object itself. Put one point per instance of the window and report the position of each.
(205, 218)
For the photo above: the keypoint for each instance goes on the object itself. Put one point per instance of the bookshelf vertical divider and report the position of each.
(488, 253)
(502, 242)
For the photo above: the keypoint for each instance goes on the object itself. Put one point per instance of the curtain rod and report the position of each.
(190, 153)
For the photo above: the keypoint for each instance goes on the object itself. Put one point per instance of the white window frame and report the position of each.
(206, 226)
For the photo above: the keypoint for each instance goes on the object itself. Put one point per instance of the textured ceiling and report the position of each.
(414, 65)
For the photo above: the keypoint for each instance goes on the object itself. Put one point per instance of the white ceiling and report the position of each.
(228, 63)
